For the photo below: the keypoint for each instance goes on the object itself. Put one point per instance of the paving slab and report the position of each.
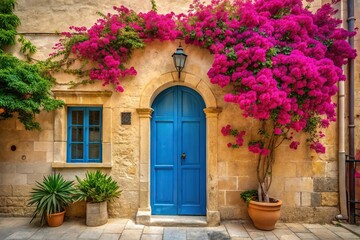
(307, 236)
(127, 229)
(131, 234)
(270, 235)
(132, 225)
(197, 234)
(285, 234)
(324, 233)
(241, 239)
(153, 230)
(347, 235)
(236, 230)
(174, 233)
(114, 228)
(39, 234)
(350, 227)
(221, 235)
(70, 236)
(109, 236)
(4, 233)
(20, 235)
(258, 236)
(220, 228)
(151, 237)
(311, 226)
(250, 227)
(91, 233)
(281, 226)
(297, 228)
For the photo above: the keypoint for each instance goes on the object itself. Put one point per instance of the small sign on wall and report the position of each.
(126, 118)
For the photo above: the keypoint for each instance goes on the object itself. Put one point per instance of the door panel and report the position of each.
(164, 179)
(190, 182)
(178, 182)
(188, 108)
(191, 169)
(165, 143)
(191, 144)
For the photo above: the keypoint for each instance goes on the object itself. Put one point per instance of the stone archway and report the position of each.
(152, 89)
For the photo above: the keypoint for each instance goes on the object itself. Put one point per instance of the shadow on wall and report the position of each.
(76, 210)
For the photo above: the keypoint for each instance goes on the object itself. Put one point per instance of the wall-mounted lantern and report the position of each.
(179, 58)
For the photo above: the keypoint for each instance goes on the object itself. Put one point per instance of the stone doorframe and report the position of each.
(151, 90)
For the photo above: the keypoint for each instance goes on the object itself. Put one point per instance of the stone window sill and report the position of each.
(80, 165)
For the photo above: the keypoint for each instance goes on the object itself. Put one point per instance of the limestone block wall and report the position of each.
(306, 182)
(24, 158)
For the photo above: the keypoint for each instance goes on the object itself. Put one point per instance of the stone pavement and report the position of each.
(125, 229)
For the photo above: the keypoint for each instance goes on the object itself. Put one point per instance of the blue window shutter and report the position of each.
(84, 134)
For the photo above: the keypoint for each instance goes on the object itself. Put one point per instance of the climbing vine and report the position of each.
(282, 61)
(25, 87)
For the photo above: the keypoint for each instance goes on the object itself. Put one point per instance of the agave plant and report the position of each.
(51, 196)
(97, 187)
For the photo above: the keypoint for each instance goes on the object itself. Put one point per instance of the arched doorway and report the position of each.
(212, 111)
(178, 153)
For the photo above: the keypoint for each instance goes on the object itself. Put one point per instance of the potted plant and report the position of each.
(97, 189)
(50, 198)
(263, 214)
(263, 210)
(286, 88)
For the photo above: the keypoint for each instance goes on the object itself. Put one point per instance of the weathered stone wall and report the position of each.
(20, 169)
(306, 182)
(49, 16)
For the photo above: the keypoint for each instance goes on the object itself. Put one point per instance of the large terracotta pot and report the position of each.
(264, 215)
(96, 214)
(55, 219)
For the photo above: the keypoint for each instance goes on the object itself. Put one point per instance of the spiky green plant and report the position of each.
(51, 196)
(97, 187)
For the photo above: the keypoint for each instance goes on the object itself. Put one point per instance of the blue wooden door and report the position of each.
(178, 183)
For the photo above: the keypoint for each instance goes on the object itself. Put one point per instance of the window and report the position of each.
(84, 135)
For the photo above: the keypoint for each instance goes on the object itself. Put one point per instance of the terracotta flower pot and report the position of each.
(264, 215)
(55, 219)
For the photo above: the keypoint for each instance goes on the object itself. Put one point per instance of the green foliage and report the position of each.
(7, 6)
(51, 196)
(311, 127)
(25, 88)
(248, 195)
(153, 5)
(27, 48)
(129, 39)
(7, 37)
(8, 23)
(282, 12)
(97, 187)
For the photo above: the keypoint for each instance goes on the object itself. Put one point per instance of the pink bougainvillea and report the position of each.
(111, 40)
(282, 61)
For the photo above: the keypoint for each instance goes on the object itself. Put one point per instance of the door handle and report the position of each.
(183, 156)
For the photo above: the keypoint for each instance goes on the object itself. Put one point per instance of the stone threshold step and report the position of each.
(178, 221)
